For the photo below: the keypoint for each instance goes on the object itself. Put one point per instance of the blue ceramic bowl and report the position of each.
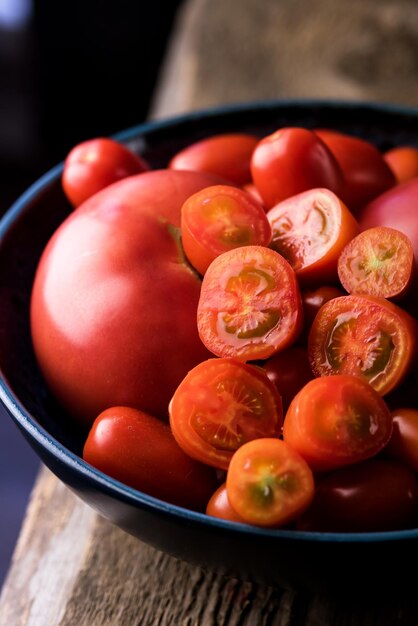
(317, 561)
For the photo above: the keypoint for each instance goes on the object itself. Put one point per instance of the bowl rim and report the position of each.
(110, 486)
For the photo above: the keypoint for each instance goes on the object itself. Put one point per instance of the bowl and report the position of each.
(310, 560)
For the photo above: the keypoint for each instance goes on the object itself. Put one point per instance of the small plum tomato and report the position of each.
(253, 191)
(378, 262)
(250, 305)
(337, 420)
(290, 161)
(310, 230)
(95, 164)
(268, 483)
(363, 336)
(403, 445)
(227, 155)
(220, 405)
(140, 451)
(403, 161)
(376, 495)
(289, 370)
(218, 219)
(219, 506)
(366, 173)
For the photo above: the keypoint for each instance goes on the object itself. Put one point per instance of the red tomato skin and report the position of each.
(140, 451)
(403, 445)
(100, 301)
(312, 300)
(227, 155)
(403, 161)
(376, 495)
(293, 160)
(289, 370)
(219, 506)
(95, 164)
(366, 173)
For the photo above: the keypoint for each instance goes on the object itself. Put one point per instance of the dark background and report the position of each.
(69, 71)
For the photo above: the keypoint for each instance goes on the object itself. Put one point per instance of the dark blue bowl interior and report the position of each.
(321, 561)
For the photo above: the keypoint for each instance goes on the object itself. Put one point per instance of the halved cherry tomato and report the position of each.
(219, 506)
(218, 219)
(220, 405)
(337, 420)
(250, 305)
(403, 444)
(96, 164)
(364, 336)
(140, 451)
(227, 155)
(289, 370)
(290, 161)
(366, 173)
(268, 483)
(376, 495)
(403, 161)
(310, 230)
(378, 262)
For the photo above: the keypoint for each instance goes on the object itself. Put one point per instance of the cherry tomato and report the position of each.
(366, 173)
(337, 420)
(289, 370)
(376, 495)
(252, 190)
(313, 299)
(403, 161)
(220, 405)
(293, 160)
(268, 483)
(219, 506)
(140, 451)
(227, 155)
(310, 230)
(218, 219)
(96, 164)
(364, 336)
(403, 444)
(378, 262)
(250, 305)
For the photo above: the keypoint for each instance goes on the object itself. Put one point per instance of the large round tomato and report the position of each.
(113, 309)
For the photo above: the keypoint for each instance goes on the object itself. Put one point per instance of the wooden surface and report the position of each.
(70, 566)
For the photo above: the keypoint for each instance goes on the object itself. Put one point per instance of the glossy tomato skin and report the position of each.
(403, 445)
(293, 160)
(366, 173)
(227, 155)
(403, 161)
(312, 300)
(376, 495)
(113, 311)
(289, 370)
(140, 451)
(219, 506)
(95, 164)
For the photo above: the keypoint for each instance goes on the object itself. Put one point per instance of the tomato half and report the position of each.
(250, 305)
(310, 230)
(220, 405)
(403, 161)
(96, 164)
(268, 483)
(218, 219)
(364, 336)
(289, 370)
(337, 420)
(140, 451)
(403, 444)
(219, 506)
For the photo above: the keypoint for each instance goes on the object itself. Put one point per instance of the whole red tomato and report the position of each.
(113, 311)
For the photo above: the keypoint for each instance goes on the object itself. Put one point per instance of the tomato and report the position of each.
(376, 495)
(403, 445)
(218, 219)
(253, 191)
(227, 155)
(310, 230)
(366, 173)
(289, 370)
(140, 451)
(337, 420)
(313, 299)
(403, 161)
(290, 161)
(268, 483)
(220, 405)
(96, 164)
(113, 311)
(378, 262)
(219, 506)
(250, 305)
(365, 336)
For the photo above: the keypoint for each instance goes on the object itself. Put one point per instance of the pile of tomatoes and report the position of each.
(238, 330)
